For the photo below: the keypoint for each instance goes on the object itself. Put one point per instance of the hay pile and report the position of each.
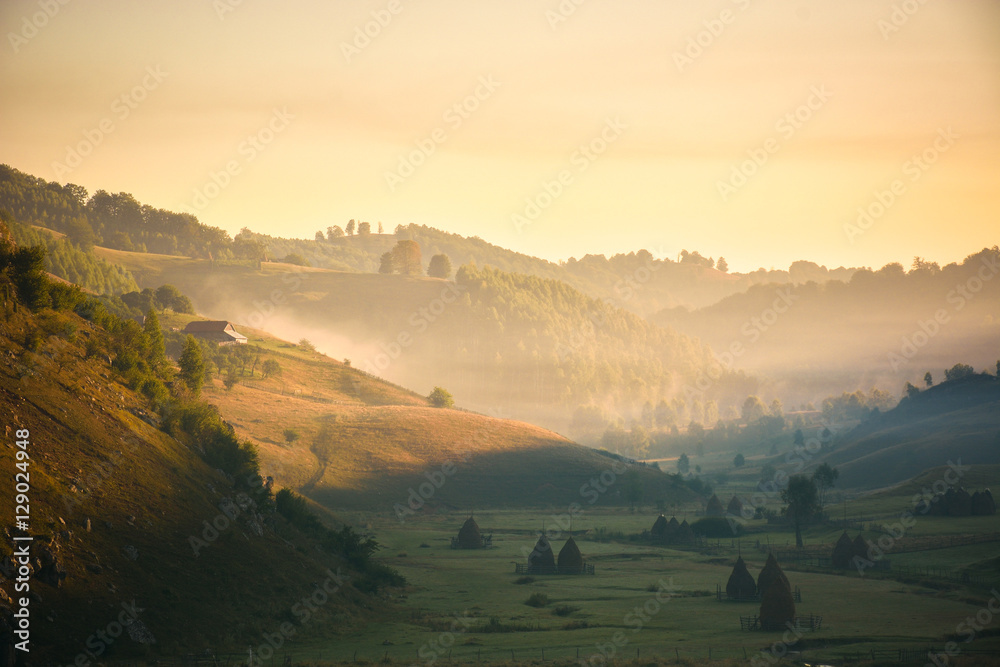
(659, 529)
(469, 536)
(735, 507)
(684, 533)
(714, 507)
(541, 555)
(570, 558)
(843, 552)
(777, 607)
(770, 574)
(741, 583)
(982, 503)
(860, 547)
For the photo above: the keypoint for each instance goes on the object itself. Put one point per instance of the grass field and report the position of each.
(470, 605)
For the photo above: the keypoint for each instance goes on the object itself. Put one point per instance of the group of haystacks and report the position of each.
(671, 532)
(714, 507)
(846, 550)
(959, 502)
(569, 561)
(777, 605)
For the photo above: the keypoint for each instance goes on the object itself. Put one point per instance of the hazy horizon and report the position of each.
(335, 115)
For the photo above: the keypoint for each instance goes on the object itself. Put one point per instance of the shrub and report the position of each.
(537, 600)
(716, 526)
(524, 580)
(564, 610)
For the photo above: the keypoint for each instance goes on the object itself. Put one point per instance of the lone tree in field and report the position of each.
(291, 435)
(739, 461)
(803, 503)
(825, 477)
(192, 366)
(440, 398)
(683, 464)
(270, 367)
(440, 267)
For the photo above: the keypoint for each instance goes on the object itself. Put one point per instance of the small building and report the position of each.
(219, 332)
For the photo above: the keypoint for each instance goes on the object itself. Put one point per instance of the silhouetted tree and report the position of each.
(824, 477)
(958, 372)
(739, 460)
(722, 265)
(803, 503)
(192, 366)
(350, 227)
(439, 267)
(684, 464)
(928, 380)
(441, 398)
(334, 232)
(364, 229)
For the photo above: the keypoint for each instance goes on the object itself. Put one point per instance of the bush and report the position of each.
(537, 600)
(441, 398)
(524, 580)
(564, 610)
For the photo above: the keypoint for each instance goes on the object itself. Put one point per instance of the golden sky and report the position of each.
(624, 122)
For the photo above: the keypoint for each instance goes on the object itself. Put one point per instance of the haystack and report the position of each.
(960, 504)
(570, 558)
(714, 507)
(735, 507)
(741, 583)
(659, 529)
(684, 533)
(469, 536)
(982, 503)
(843, 552)
(777, 607)
(770, 573)
(860, 547)
(541, 555)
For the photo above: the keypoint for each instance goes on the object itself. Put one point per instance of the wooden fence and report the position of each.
(722, 596)
(810, 622)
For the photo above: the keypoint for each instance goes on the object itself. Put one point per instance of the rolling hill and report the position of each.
(363, 443)
(125, 517)
(954, 421)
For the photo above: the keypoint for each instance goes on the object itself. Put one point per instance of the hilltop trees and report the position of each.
(350, 227)
(440, 266)
(334, 232)
(824, 477)
(404, 258)
(959, 372)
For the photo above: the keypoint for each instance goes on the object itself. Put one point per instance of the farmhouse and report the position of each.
(220, 332)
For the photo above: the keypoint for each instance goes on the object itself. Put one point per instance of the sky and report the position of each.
(846, 132)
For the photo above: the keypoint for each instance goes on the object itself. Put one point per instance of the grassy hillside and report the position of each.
(97, 460)
(364, 443)
(951, 421)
